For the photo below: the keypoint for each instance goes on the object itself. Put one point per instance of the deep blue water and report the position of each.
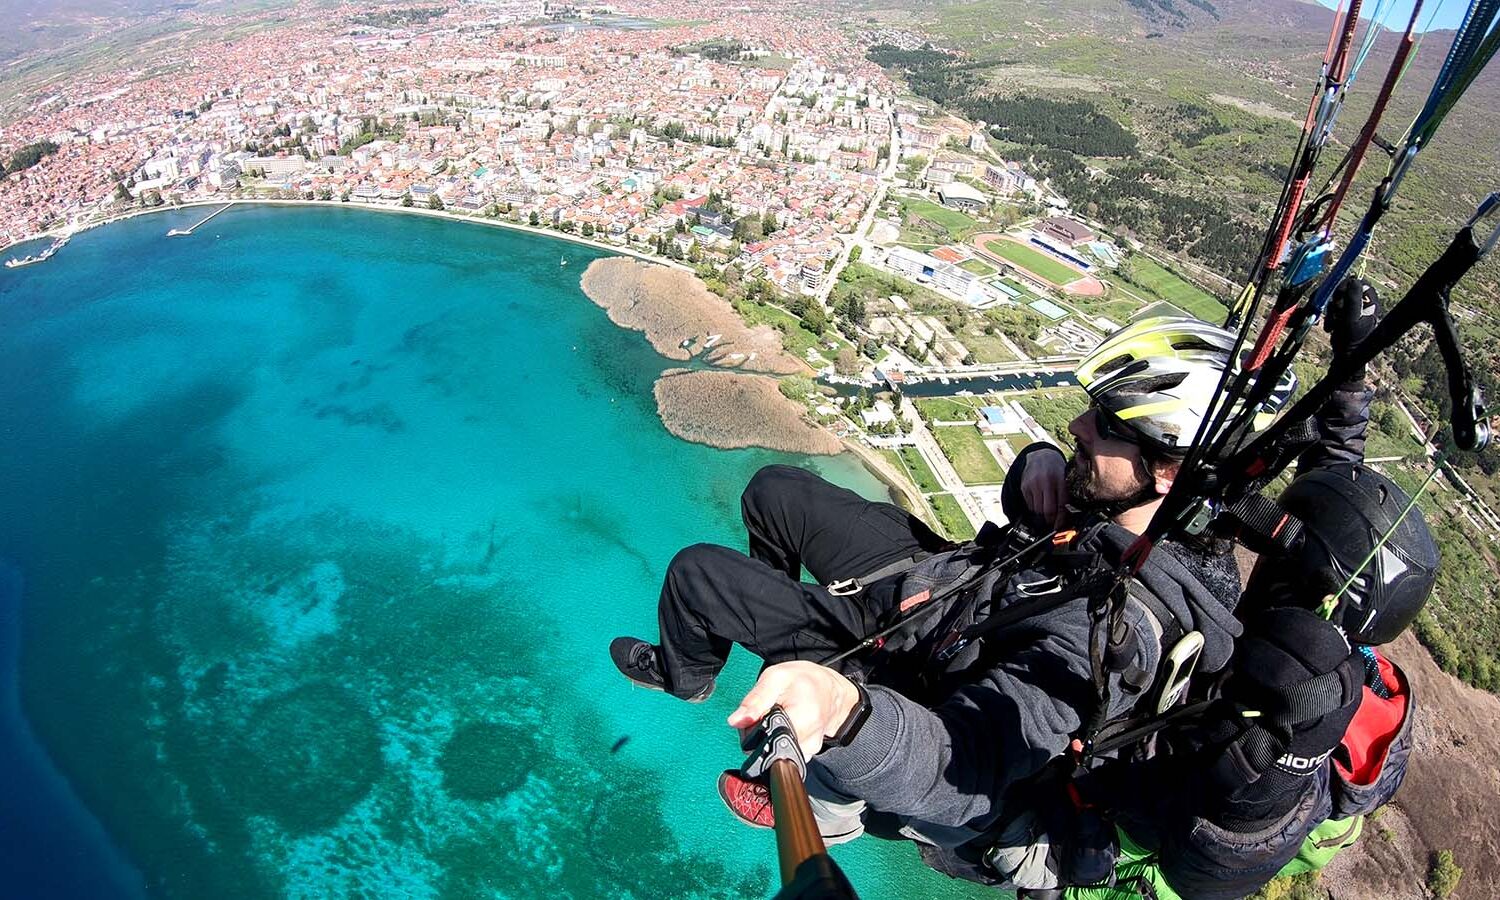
(317, 524)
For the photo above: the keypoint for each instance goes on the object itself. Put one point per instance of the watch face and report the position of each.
(856, 719)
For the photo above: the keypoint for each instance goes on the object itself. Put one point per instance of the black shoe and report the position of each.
(638, 661)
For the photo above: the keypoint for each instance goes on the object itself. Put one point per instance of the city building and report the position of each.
(1066, 231)
(958, 195)
(998, 420)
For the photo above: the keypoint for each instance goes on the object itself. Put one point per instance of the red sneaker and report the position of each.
(750, 801)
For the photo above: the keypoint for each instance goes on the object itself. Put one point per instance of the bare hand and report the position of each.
(817, 699)
(1044, 486)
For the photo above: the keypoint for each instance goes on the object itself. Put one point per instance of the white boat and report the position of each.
(562, 262)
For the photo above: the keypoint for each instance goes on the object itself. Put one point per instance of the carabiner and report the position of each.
(1490, 207)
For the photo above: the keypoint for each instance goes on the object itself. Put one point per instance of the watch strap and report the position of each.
(855, 722)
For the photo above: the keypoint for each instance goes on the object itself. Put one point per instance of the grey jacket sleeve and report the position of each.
(1341, 423)
(952, 765)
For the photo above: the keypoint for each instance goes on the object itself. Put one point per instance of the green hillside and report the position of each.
(1173, 123)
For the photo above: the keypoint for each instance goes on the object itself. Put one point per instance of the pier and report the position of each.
(189, 230)
(45, 255)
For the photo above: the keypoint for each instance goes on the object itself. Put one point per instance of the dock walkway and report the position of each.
(175, 232)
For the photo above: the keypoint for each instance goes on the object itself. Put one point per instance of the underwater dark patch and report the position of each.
(307, 757)
(487, 760)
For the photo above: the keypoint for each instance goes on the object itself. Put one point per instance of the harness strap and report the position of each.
(1259, 748)
(989, 541)
(1262, 525)
(849, 586)
(1124, 732)
(1019, 612)
(1312, 699)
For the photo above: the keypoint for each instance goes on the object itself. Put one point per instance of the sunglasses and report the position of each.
(1110, 427)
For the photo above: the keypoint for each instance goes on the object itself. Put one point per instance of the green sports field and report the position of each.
(958, 225)
(1034, 261)
(1150, 275)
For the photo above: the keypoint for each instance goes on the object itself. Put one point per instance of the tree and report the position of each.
(406, 199)
(814, 319)
(846, 363)
(568, 226)
(1444, 875)
(1388, 418)
(852, 307)
(434, 202)
(747, 229)
(796, 387)
(856, 253)
(695, 253)
(768, 223)
(535, 219)
(588, 229)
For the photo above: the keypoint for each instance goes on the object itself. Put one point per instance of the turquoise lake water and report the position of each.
(317, 524)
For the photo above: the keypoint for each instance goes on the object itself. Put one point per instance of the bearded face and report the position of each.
(1105, 473)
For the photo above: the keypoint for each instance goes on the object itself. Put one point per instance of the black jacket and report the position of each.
(1019, 695)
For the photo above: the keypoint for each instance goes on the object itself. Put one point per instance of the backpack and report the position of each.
(1367, 769)
(1362, 775)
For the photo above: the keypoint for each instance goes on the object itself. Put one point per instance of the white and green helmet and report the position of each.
(1158, 376)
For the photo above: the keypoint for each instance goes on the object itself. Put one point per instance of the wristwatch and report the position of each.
(856, 720)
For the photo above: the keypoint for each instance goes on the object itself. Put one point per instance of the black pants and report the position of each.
(714, 597)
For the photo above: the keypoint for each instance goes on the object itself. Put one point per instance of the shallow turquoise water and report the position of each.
(323, 520)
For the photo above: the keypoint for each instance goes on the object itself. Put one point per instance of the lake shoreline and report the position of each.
(902, 489)
(371, 207)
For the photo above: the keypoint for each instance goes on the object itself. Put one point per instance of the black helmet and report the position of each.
(1344, 511)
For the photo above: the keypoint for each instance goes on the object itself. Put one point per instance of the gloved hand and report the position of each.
(1044, 487)
(1296, 671)
(1352, 314)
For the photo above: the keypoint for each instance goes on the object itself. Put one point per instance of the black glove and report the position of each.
(1295, 669)
(1352, 314)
